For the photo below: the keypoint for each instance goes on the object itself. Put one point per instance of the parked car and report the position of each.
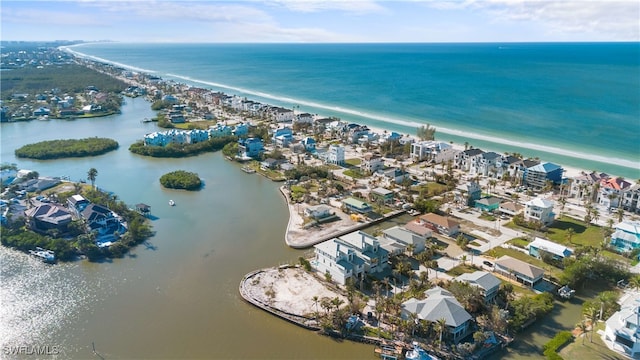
(488, 263)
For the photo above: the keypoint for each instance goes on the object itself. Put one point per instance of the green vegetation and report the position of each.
(580, 235)
(181, 179)
(430, 189)
(527, 309)
(314, 172)
(586, 350)
(551, 271)
(230, 149)
(354, 173)
(461, 269)
(67, 78)
(181, 150)
(353, 162)
(589, 266)
(551, 348)
(426, 132)
(55, 149)
(519, 242)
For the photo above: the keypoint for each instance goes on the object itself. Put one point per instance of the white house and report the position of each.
(337, 260)
(622, 332)
(335, 155)
(539, 209)
(406, 237)
(486, 282)
(318, 211)
(371, 163)
(558, 251)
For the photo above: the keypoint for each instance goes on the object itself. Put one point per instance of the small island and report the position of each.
(181, 179)
(175, 150)
(56, 149)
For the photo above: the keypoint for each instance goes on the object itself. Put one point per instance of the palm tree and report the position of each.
(591, 314)
(620, 214)
(440, 326)
(315, 299)
(582, 326)
(91, 176)
(569, 234)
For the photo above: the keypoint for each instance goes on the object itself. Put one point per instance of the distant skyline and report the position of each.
(310, 21)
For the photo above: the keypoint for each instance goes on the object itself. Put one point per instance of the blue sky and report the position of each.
(321, 21)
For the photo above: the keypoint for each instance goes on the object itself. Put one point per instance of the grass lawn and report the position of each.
(590, 350)
(519, 242)
(432, 188)
(353, 162)
(356, 174)
(551, 271)
(461, 269)
(583, 235)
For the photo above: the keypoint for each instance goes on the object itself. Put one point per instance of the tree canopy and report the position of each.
(181, 150)
(181, 179)
(426, 132)
(55, 149)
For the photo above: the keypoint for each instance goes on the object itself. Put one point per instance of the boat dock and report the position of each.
(248, 170)
(47, 256)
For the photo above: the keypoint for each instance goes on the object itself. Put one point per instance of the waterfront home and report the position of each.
(440, 304)
(488, 203)
(39, 184)
(538, 246)
(540, 210)
(510, 208)
(611, 191)
(429, 150)
(280, 114)
(440, 224)
(240, 129)
(249, 148)
(100, 218)
(371, 163)
(469, 160)
(419, 229)
(350, 256)
(282, 137)
(219, 130)
(469, 193)
(269, 164)
(626, 236)
(381, 195)
(49, 216)
(536, 176)
(490, 164)
(406, 238)
(583, 185)
(309, 143)
(510, 165)
(318, 211)
(355, 205)
(8, 175)
(485, 281)
(337, 260)
(41, 111)
(304, 118)
(77, 203)
(622, 331)
(521, 271)
(630, 198)
(367, 247)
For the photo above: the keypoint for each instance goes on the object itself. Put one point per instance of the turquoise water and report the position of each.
(577, 104)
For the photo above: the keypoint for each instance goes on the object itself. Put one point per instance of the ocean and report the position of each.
(575, 104)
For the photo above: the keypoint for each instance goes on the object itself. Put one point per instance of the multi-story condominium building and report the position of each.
(540, 210)
(537, 176)
(611, 191)
(630, 198)
(469, 160)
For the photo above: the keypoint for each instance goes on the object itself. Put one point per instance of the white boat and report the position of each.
(47, 256)
(418, 353)
(172, 203)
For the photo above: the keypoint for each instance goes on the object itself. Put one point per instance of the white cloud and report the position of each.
(603, 20)
(308, 6)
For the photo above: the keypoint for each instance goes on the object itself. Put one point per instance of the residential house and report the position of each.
(393, 176)
(335, 155)
(510, 208)
(469, 193)
(488, 283)
(626, 236)
(241, 129)
(371, 163)
(356, 205)
(406, 238)
(440, 224)
(440, 304)
(282, 137)
(41, 111)
(220, 130)
(280, 114)
(489, 204)
(101, 219)
(430, 151)
(250, 148)
(337, 260)
(381, 194)
(539, 245)
(521, 271)
(49, 216)
(269, 164)
(537, 176)
(510, 165)
(582, 186)
(77, 203)
(318, 211)
(304, 118)
(469, 160)
(612, 191)
(540, 210)
(622, 331)
(309, 144)
(630, 198)
(490, 164)
(367, 247)
(419, 229)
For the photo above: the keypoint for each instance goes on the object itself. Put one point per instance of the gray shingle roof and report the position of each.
(439, 304)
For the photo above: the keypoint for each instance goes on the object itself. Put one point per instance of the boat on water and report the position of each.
(47, 256)
(248, 170)
(566, 292)
(172, 203)
(43, 117)
(418, 353)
